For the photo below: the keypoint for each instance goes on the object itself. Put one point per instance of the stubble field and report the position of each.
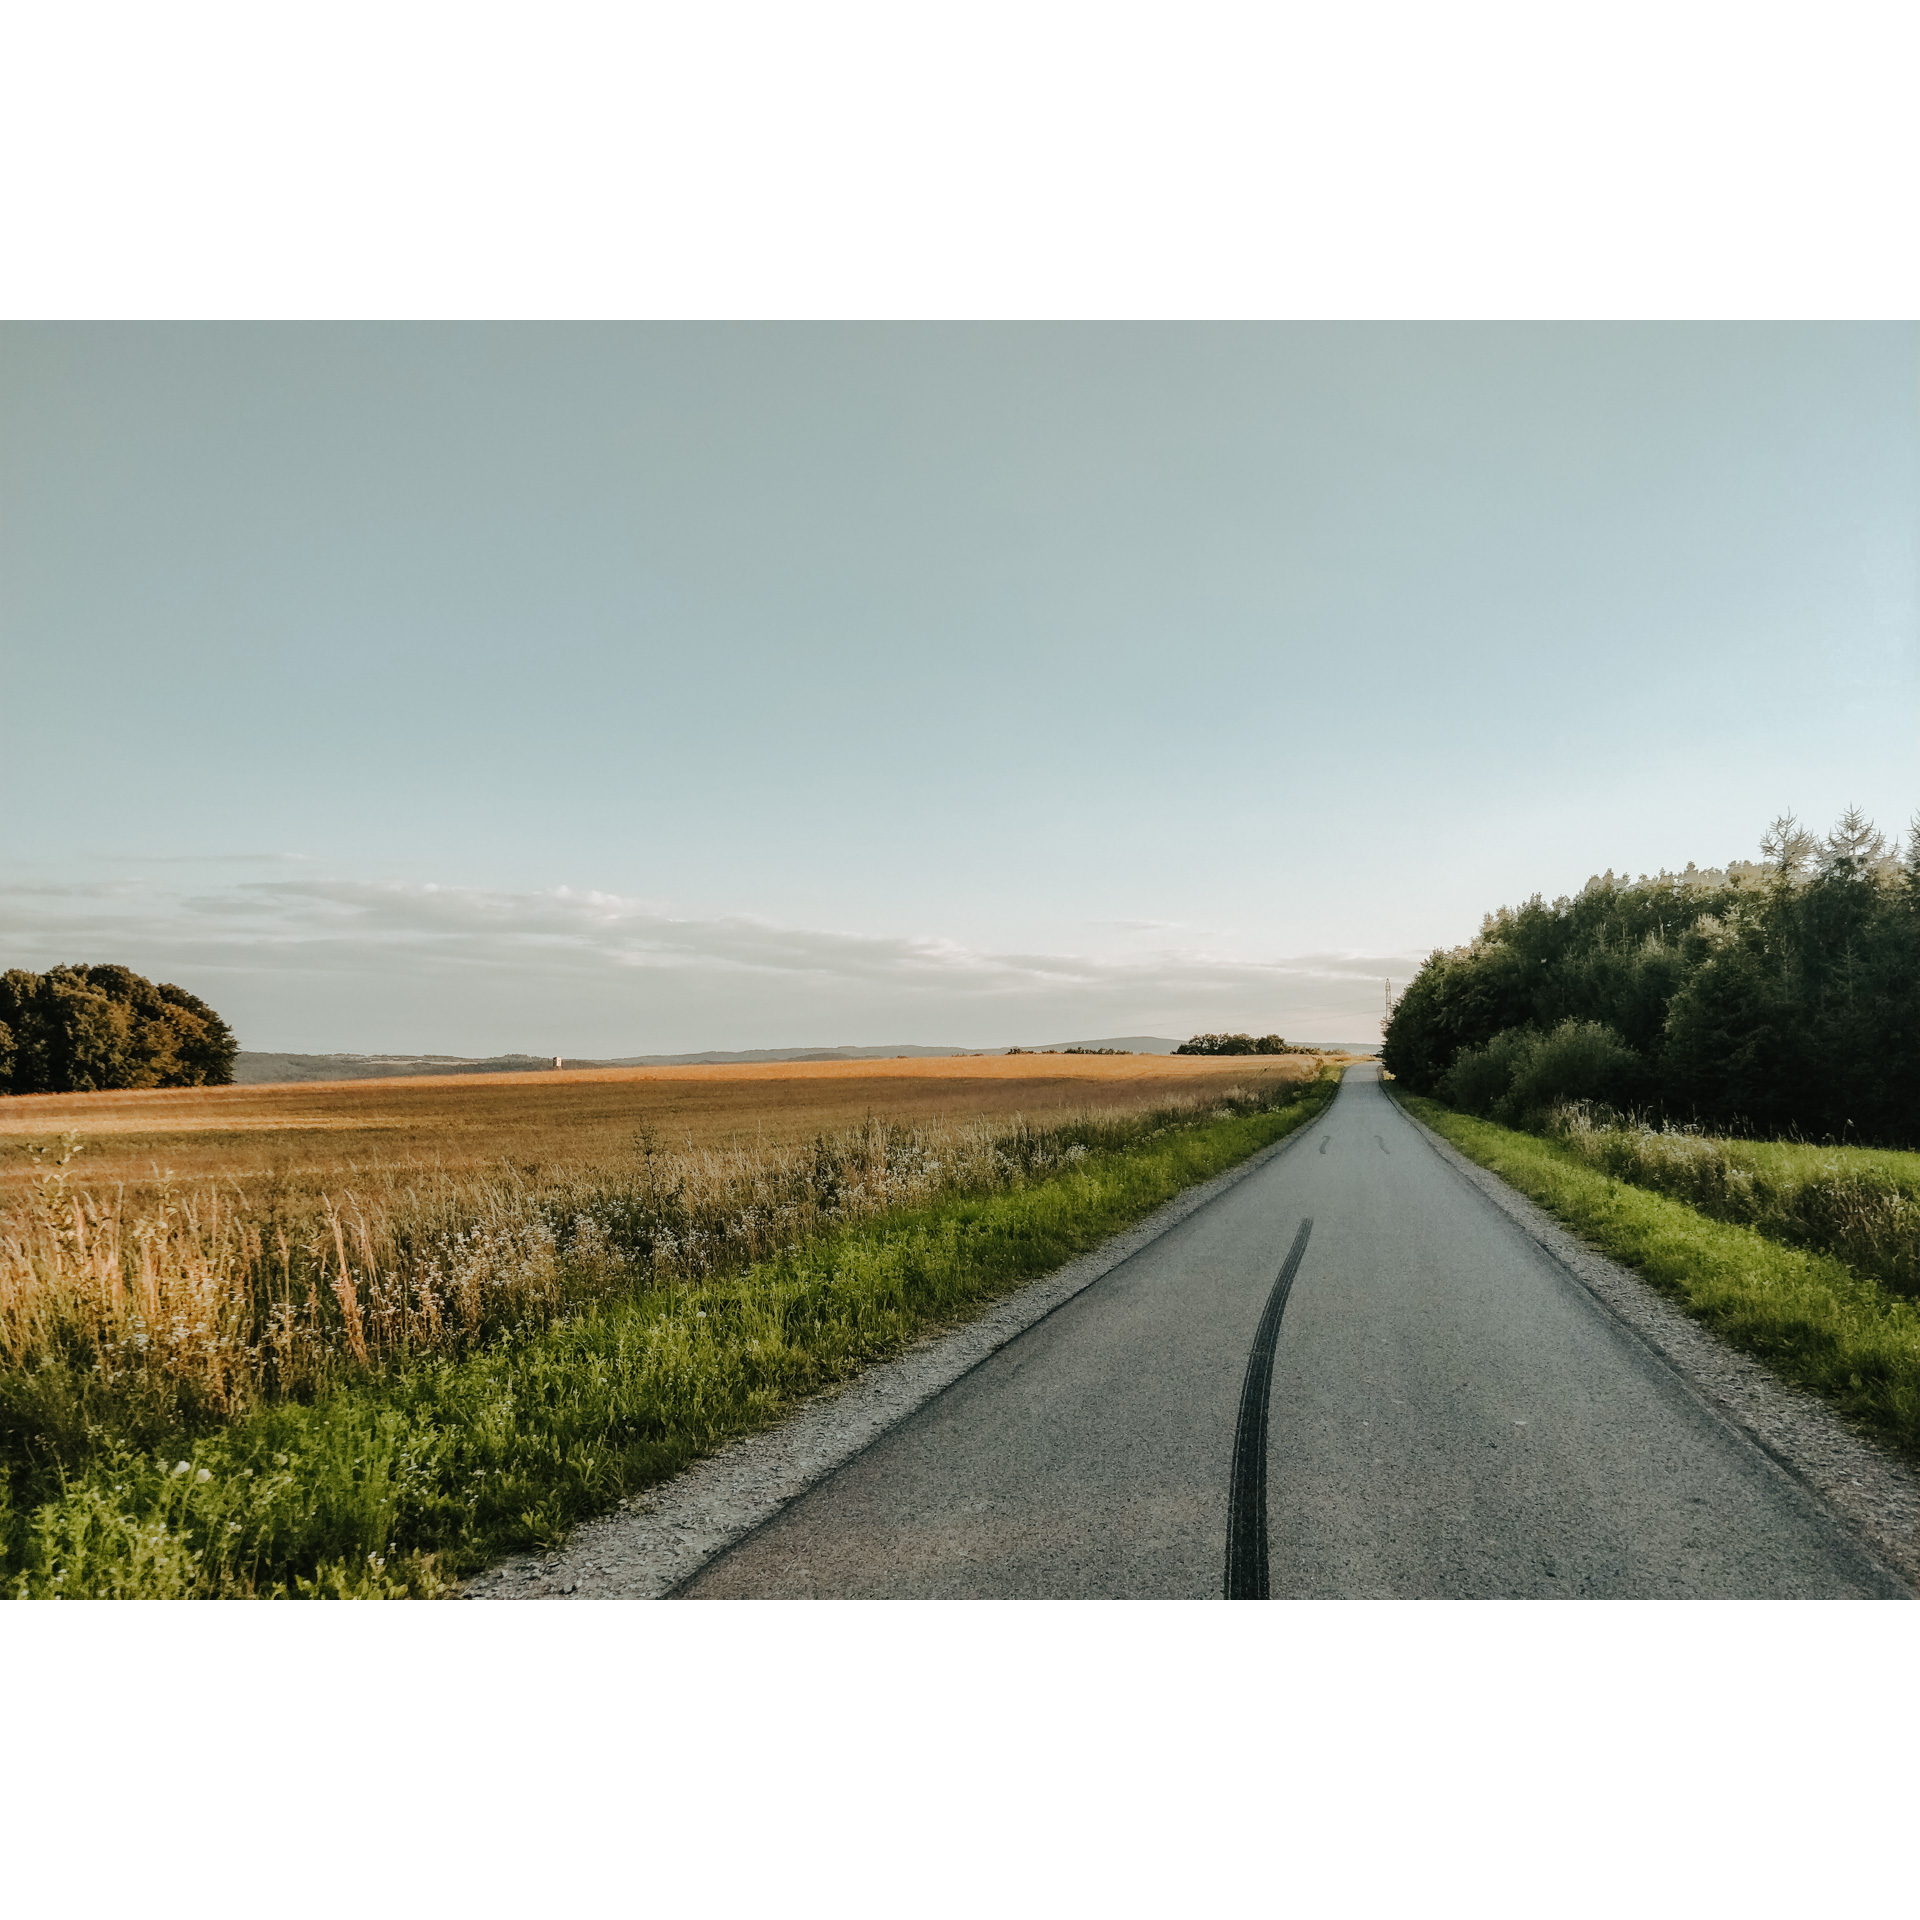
(312, 1136)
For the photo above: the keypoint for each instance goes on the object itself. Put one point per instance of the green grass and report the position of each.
(1808, 1316)
(1860, 1204)
(399, 1485)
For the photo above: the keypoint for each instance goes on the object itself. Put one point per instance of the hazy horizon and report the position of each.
(639, 689)
(1147, 1042)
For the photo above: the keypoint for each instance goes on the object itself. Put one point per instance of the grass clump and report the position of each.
(400, 1478)
(1809, 1316)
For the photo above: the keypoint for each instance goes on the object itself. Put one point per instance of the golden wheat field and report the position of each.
(226, 1243)
(316, 1133)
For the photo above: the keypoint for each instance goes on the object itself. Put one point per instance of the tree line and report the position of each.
(1773, 997)
(1234, 1043)
(83, 1029)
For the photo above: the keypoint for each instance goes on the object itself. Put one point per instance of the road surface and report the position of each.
(1448, 1414)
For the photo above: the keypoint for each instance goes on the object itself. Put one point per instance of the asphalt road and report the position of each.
(1449, 1414)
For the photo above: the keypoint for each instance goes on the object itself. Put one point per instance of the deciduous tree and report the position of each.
(88, 1029)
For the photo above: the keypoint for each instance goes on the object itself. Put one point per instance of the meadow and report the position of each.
(401, 1327)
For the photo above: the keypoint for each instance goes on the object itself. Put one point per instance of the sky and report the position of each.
(615, 689)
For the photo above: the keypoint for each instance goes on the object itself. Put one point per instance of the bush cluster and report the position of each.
(1770, 998)
(90, 1029)
(1237, 1043)
(1522, 1072)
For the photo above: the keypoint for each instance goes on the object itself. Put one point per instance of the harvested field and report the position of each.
(314, 1134)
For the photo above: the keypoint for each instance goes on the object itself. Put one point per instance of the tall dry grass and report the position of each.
(210, 1297)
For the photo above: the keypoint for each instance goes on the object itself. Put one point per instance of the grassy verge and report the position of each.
(1807, 1315)
(1860, 1204)
(394, 1486)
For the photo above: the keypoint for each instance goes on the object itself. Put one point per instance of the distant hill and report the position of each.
(279, 1069)
(1127, 1043)
(790, 1053)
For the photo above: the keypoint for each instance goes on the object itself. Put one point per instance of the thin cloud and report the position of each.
(411, 942)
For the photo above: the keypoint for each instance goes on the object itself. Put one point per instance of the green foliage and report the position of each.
(1808, 1316)
(1237, 1043)
(84, 1029)
(390, 1486)
(1522, 1074)
(1766, 999)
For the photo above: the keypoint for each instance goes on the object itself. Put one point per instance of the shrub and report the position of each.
(1579, 1060)
(1521, 1074)
(1480, 1077)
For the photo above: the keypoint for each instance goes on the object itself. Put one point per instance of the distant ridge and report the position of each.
(1127, 1043)
(280, 1069)
(277, 1069)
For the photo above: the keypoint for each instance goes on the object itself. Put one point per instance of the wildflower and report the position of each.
(184, 1467)
(203, 1476)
